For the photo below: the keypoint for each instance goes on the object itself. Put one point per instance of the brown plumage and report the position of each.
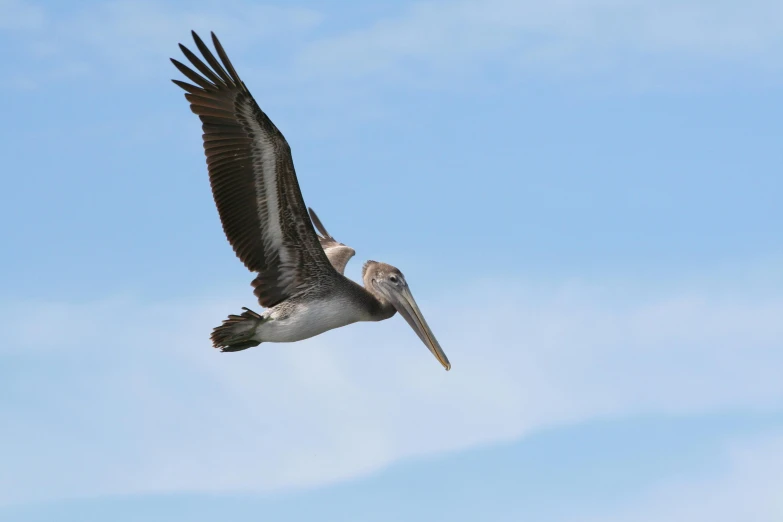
(299, 273)
(241, 142)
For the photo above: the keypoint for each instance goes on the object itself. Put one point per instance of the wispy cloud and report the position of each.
(132, 32)
(129, 39)
(146, 406)
(555, 37)
(747, 487)
(18, 15)
(443, 44)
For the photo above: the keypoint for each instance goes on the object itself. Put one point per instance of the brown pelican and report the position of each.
(300, 277)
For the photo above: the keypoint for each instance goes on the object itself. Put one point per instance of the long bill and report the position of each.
(405, 304)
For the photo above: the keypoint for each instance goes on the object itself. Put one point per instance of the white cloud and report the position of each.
(436, 43)
(557, 37)
(748, 487)
(126, 397)
(129, 32)
(131, 38)
(17, 15)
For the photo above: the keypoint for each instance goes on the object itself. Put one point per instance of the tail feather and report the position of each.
(236, 333)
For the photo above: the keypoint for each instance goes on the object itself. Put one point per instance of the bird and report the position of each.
(299, 272)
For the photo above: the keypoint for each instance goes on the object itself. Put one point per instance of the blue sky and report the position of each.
(584, 196)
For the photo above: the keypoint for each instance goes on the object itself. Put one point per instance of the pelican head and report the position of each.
(388, 283)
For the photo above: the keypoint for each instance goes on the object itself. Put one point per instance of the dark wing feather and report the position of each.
(338, 253)
(253, 180)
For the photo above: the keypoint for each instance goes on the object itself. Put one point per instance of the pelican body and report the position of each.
(300, 272)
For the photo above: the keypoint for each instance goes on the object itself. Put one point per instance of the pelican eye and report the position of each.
(393, 278)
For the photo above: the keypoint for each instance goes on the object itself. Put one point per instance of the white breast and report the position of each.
(307, 320)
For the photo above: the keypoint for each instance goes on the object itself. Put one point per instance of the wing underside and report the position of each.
(253, 180)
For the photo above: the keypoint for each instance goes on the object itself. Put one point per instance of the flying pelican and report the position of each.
(300, 277)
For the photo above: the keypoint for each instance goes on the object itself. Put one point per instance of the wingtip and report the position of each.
(216, 42)
(318, 225)
(197, 38)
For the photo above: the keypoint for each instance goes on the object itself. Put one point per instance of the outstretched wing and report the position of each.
(253, 180)
(338, 253)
